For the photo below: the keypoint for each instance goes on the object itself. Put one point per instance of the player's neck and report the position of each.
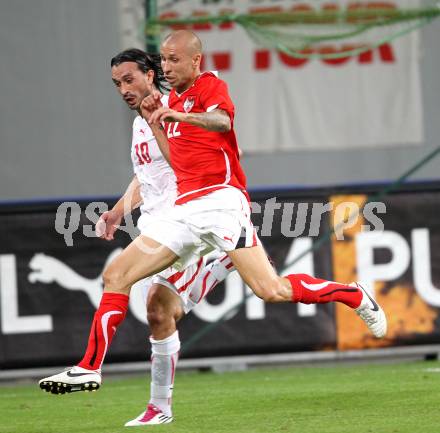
(184, 87)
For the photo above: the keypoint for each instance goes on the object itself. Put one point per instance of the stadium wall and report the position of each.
(368, 164)
(64, 131)
(51, 264)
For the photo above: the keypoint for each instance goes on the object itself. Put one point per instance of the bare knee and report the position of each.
(157, 317)
(115, 280)
(162, 324)
(163, 311)
(158, 314)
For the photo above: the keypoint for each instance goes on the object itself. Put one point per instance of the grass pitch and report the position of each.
(391, 398)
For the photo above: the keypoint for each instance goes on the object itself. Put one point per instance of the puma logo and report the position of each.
(47, 269)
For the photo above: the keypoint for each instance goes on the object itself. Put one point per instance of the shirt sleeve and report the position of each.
(216, 96)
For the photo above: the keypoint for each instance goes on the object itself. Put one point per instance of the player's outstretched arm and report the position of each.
(216, 120)
(109, 221)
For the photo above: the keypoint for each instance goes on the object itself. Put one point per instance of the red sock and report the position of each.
(109, 315)
(310, 290)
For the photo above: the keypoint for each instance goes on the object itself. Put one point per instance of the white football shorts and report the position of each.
(219, 220)
(182, 283)
(192, 284)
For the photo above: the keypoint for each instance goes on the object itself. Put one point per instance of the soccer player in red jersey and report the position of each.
(170, 294)
(212, 207)
(200, 141)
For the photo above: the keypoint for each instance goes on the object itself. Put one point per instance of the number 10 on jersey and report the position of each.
(142, 153)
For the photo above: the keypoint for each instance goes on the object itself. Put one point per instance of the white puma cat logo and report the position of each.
(47, 269)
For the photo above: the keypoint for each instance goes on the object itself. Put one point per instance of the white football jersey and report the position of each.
(157, 179)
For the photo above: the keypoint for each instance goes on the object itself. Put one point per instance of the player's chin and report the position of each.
(133, 104)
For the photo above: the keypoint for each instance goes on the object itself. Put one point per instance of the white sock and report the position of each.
(165, 354)
(210, 276)
(221, 268)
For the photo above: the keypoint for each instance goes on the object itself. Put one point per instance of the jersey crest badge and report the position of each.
(188, 104)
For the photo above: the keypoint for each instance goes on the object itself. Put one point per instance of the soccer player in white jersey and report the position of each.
(170, 294)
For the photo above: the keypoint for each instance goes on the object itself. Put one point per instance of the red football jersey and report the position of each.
(202, 160)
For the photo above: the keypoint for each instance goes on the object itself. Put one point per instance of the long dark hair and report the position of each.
(145, 62)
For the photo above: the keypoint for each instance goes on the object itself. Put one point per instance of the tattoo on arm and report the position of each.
(216, 120)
